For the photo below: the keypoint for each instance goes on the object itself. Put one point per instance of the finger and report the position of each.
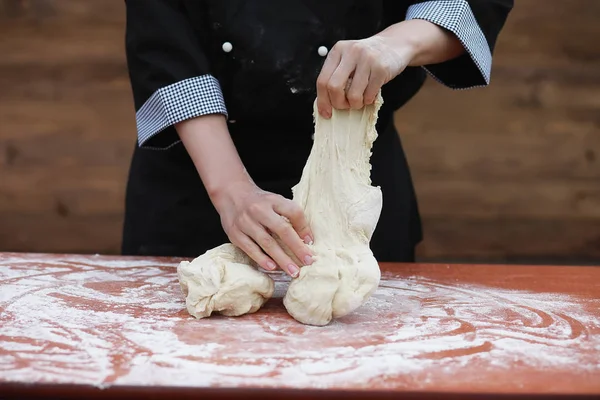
(360, 80)
(270, 246)
(323, 100)
(376, 81)
(253, 251)
(286, 233)
(338, 81)
(296, 217)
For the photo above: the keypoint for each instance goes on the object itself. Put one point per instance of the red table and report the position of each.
(75, 326)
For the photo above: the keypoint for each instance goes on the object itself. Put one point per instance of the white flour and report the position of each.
(101, 321)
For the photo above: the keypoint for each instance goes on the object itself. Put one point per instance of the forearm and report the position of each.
(208, 142)
(425, 43)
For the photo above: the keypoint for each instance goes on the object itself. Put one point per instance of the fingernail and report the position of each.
(271, 265)
(308, 260)
(293, 270)
(308, 240)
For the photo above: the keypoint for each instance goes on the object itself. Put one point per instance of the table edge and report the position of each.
(175, 260)
(19, 390)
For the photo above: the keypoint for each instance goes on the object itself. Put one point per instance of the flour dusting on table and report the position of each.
(105, 322)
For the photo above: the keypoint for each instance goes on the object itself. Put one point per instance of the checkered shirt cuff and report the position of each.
(177, 102)
(458, 18)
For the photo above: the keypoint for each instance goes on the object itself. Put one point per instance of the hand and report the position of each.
(256, 221)
(251, 217)
(355, 71)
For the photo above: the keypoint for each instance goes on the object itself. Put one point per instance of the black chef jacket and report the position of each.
(256, 62)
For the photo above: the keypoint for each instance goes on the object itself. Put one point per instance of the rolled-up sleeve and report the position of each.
(476, 24)
(169, 73)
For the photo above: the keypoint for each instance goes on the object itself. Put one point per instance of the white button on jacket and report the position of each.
(227, 47)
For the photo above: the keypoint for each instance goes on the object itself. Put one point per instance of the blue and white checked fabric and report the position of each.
(182, 100)
(458, 18)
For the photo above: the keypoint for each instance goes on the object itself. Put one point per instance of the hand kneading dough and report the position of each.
(223, 280)
(343, 210)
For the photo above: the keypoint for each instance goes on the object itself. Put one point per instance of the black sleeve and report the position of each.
(168, 69)
(477, 24)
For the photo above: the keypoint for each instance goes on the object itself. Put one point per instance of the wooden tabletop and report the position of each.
(104, 327)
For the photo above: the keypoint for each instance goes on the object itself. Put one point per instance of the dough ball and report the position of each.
(223, 280)
(336, 284)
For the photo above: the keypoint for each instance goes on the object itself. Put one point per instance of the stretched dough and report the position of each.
(223, 280)
(343, 210)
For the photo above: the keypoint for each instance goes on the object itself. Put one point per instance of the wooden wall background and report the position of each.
(506, 173)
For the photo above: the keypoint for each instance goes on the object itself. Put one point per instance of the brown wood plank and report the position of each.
(79, 132)
(552, 199)
(52, 233)
(62, 10)
(90, 117)
(56, 43)
(503, 238)
(539, 126)
(554, 33)
(522, 157)
(64, 81)
(53, 153)
(89, 131)
(63, 191)
(518, 101)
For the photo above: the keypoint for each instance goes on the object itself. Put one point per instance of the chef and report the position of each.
(224, 93)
